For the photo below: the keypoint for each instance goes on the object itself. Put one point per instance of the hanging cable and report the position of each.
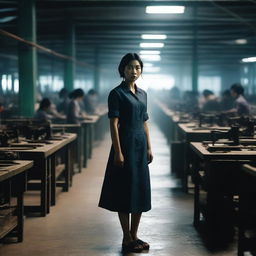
(238, 17)
(44, 49)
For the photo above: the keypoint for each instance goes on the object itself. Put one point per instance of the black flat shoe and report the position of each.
(132, 247)
(143, 244)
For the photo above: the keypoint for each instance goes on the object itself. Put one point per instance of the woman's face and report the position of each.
(79, 98)
(132, 71)
(233, 93)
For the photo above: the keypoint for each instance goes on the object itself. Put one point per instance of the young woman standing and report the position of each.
(126, 186)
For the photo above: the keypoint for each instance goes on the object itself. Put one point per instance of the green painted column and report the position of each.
(69, 70)
(27, 57)
(195, 55)
(96, 71)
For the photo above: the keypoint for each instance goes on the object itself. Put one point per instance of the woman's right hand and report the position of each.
(119, 159)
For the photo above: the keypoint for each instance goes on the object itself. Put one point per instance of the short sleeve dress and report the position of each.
(127, 189)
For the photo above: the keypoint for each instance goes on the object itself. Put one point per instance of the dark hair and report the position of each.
(126, 60)
(45, 103)
(63, 93)
(76, 93)
(207, 93)
(238, 88)
(92, 92)
(226, 93)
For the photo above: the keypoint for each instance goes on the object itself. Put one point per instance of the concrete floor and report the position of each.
(77, 227)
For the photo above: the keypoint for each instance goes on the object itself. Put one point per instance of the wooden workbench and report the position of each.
(45, 169)
(79, 149)
(221, 169)
(13, 180)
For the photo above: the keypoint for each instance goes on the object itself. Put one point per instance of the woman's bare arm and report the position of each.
(149, 151)
(119, 159)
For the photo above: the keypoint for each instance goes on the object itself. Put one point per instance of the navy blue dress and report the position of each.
(127, 189)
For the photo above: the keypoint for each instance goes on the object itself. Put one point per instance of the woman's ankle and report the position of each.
(127, 237)
(134, 236)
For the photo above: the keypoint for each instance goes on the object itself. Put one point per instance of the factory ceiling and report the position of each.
(113, 28)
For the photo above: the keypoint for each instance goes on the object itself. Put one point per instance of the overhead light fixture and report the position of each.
(250, 59)
(165, 9)
(151, 45)
(7, 19)
(152, 69)
(150, 52)
(149, 36)
(241, 41)
(151, 57)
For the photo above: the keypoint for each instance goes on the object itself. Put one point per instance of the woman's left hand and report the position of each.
(150, 156)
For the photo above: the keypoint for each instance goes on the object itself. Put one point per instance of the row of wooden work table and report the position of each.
(32, 170)
(216, 164)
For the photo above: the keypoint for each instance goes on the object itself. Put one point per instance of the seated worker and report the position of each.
(91, 102)
(190, 101)
(210, 101)
(62, 107)
(227, 101)
(43, 114)
(242, 107)
(75, 114)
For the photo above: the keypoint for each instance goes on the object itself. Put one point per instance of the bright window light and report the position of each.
(156, 81)
(4, 82)
(212, 83)
(165, 9)
(151, 45)
(245, 81)
(241, 41)
(152, 69)
(250, 59)
(150, 52)
(151, 57)
(148, 36)
(16, 85)
(148, 64)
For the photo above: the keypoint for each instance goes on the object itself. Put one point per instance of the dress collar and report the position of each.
(126, 88)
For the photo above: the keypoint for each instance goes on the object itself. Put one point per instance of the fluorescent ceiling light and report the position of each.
(165, 9)
(241, 41)
(152, 69)
(250, 59)
(148, 64)
(150, 52)
(151, 45)
(151, 57)
(7, 19)
(148, 36)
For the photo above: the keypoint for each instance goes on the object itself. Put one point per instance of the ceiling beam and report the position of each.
(123, 3)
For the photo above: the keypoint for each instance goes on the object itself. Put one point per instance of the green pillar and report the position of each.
(96, 74)
(13, 79)
(69, 71)
(27, 57)
(195, 56)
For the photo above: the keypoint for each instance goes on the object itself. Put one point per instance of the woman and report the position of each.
(75, 114)
(126, 186)
(242, 107)
(62, 107)
(43, 114)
